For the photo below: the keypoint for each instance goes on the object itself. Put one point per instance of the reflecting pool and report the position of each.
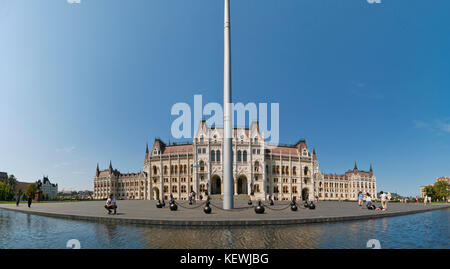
(424, 230)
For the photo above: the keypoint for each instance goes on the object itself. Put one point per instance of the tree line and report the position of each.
(9, 190)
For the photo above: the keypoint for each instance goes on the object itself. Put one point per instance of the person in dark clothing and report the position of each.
(30, 200)
(17, 200)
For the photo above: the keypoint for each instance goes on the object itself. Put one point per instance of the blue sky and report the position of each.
(93, 82)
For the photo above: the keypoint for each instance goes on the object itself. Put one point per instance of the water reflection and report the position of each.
(425, 230)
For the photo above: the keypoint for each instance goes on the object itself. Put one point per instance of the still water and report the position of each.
(424, 230)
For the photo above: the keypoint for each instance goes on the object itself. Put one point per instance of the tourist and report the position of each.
(201, 197)
(171, 196)
(111, 203)
(429, 199)
(17, 199)
(425, 200)
(368, 200)
(383, 198)
(30, 200)
(360, 199)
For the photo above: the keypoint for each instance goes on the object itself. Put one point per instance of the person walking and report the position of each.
(360, 199)
(17, 199)
(383, 198)
(425, 200)
(30, 200)
(429, 199)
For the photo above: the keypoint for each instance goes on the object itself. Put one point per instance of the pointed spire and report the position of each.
(146, 152)
(314, 153)
(371, 170)
(97, 171)
(356, 167)
(110, 166)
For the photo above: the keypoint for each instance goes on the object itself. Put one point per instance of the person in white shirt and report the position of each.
(111, 204)
(429, 199)
(383, 198)
(368, 201)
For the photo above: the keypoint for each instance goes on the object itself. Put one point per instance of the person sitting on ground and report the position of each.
(111, 204)
(368, 200)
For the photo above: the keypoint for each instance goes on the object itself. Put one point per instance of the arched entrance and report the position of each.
(242, 185)
(155, 192)
(305, 194)
(216, 185)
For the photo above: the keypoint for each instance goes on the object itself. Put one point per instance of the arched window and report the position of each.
(294, 170)
(165, 169)
(218, 156)
(213, 156)
(155, 170)
(239, 156)
(245, 156)
(306, 170)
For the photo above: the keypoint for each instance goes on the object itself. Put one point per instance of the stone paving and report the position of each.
(145, 212)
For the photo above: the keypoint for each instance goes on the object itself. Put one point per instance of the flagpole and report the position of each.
(228, 182)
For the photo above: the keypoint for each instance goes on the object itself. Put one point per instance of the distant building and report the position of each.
(347, 186)
(422, 188)
(22, 186)
(47, 188)
(443, 179)
(3, 176)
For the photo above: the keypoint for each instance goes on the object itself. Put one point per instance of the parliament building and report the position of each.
(259, 170)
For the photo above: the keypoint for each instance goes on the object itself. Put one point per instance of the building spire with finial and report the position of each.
(356, 166)
(97, 171)
(314, 153)
(146, 151)
(371, 170)
(110, 166)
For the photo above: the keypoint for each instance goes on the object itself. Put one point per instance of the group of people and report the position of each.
(29, 200)
(427, 199)
(384, 197)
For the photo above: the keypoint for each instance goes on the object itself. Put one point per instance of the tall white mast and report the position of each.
(228, 182)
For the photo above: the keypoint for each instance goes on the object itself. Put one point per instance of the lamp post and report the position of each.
(228, 184)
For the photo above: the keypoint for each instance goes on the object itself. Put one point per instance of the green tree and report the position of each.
(12, 181)
(31, 190)
(441, 190)
(429, 191)
(5, 191)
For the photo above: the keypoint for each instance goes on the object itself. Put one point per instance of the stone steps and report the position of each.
(242, 197)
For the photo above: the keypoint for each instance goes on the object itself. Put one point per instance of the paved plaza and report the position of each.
(145, 212)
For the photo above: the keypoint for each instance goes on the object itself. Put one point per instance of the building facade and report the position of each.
(259, 170)
(48, 189)
(346, 186)
(3, 176)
